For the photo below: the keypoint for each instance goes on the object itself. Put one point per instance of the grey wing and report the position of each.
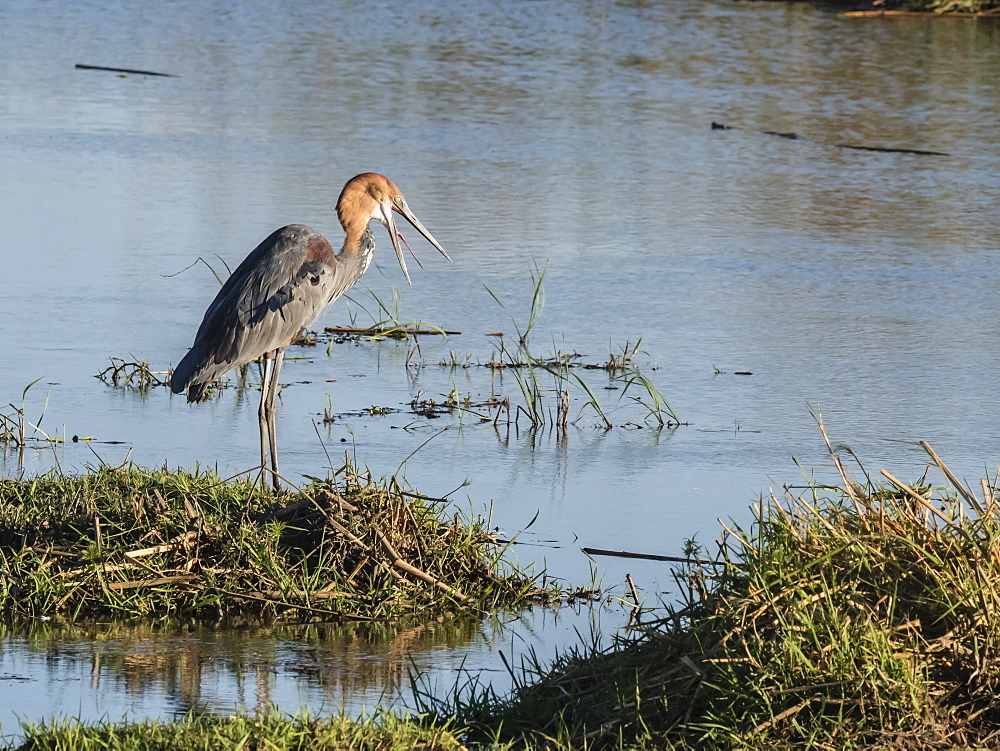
(279, 289)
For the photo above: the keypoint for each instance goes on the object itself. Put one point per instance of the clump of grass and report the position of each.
(859, 616)
(15, 425)
(547, 399)
(455, 403)
(526, 368)
(328, 413)
(658, 409)
(274, 731)
(455, 361)
(621, 360)
(132, 542)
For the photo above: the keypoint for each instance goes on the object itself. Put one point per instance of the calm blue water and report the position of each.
(861, 284)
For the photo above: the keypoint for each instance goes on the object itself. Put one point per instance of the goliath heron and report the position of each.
(281, 288)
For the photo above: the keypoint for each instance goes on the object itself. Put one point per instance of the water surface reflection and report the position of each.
(116, 671)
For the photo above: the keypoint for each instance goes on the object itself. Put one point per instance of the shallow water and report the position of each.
(117, 671)
(861, 284)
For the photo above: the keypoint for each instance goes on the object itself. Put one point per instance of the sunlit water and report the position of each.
(860, 284)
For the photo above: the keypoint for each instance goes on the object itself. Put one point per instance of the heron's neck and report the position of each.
(356, 254)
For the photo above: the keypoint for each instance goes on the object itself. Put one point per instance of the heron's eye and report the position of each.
(398, 200)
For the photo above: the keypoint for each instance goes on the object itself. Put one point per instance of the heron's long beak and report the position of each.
(390, 221)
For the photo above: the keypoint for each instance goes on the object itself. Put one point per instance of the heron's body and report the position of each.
(278, 290)
(282, 287)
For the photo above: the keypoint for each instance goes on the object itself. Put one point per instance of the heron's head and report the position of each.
(372, 196)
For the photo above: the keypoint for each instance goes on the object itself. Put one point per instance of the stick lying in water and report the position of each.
(81, 66)
(376, 330)
(648, 556)
(797, 137)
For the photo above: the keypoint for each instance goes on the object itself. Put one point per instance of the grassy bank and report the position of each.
(858, 616)
(128, 542)
(853, 617)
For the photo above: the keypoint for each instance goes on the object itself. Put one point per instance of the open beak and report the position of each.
(390, 222)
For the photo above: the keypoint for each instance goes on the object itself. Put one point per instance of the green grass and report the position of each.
(547, 383)
(129, 542)
(273, 732)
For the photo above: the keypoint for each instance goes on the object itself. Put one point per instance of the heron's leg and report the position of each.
(265, 380)
(272, 428)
